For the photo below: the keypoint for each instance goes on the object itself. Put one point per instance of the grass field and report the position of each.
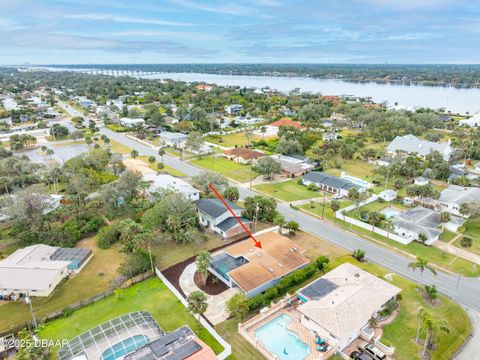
(166, 169)
(238, 139)
(150, 295)
(357, 168)
(227, 168)
(87, 283)
(288, 191)
(119, 148)
(447, 236)
(472, 230)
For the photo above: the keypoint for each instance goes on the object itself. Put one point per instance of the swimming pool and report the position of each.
(124, 347)
(390, 212)
(356, 181)
(277, 339)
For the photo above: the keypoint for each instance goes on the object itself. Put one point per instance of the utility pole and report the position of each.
(256, 217)
(323, 208)
(29, 302)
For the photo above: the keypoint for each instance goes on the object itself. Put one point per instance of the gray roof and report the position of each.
(172, 136)
(420, 220)
(319, 177)
(230, 222)
(411, 144)
(455, 194)
(214, 207)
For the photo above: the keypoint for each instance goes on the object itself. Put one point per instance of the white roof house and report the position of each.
(342, 302)
(173, 138)
(474, 121)
(419, 220)
(410, 144)
(452, 198)
(129, 122)
(388, 195)
(168, 182)
(37, 269)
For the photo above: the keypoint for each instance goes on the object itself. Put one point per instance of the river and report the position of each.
(407, 96)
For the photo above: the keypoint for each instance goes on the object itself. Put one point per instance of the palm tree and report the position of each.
(144, 240)
(433, 327)
(197, 303)
(388, 225)
(203, 262)
(279, 220)
(422, 264)
(420, 316)
(431, 292)
(161, 152)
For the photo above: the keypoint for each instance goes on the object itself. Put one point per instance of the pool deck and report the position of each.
(303, 333)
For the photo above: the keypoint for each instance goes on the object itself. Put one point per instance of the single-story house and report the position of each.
(174, 139)
(272, 129)
(388, 195)
(421, 181)
(445, 117)
(213, 214)
(293, 166)
(243, 155)
(233, 109)
(452, 198)
(167, 182)
(330, 136)
(129, 122)
(340, 303)
(474, 121)
(419, 220)
(410, 144)
(384, 161)
(248, 120)
(36, 270)
(329, 183)
(254, 270)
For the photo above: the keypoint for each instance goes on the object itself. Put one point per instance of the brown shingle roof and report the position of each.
(287, 122)
(244, 153)
(278, 257)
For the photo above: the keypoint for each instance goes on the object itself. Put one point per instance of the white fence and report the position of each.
(226, 346)
(363, 225)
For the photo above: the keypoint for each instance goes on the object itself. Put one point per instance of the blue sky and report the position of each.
(205, 31)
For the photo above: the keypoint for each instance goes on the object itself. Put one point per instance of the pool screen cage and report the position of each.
(93, 342)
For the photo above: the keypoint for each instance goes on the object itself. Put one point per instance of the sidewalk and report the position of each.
(464, 254)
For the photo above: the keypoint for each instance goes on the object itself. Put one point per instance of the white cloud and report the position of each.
(230, 9)
(9, 24)
(125, 19)
(174, 35)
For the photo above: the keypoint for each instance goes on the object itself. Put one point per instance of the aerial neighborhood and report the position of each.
(146, 218)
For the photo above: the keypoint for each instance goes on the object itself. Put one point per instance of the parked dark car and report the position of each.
(357, 355)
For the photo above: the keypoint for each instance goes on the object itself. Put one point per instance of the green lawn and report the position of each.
(150, 295)
(472, 230)
(288, 191)
(227, 168)
(447, 236)
(232, 140)
(86, 284)
(358, 168)
(166, 169)
(241, 348)
(435, 255)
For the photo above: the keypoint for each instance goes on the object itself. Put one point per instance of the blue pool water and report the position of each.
(389, 213)
(124, 347)
(277, 339)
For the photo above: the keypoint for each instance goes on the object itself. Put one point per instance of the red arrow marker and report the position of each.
(257, 243)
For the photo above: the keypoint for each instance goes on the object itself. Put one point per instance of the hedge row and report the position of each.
(287, 284)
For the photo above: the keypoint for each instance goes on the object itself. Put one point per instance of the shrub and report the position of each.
(136, 263)
(91, 225)
(117, 128)
(321, 262)
(107, 236)
(312, 187)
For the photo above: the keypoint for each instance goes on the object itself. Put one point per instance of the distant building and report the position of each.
(272, 129)
(233, 109)
(474, 121)
(329, 183)
(410, 144)
(215, 216)
(293, 166)
(331, 136)
(129, 123)
(36, 270)
(445, 117)
(452, 198)
(243, 155)
(204, 87)
(173, 139)
(388, 195)
(160, 182)
(421, 181)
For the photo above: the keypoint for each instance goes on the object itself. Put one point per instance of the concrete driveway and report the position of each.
(216, 311)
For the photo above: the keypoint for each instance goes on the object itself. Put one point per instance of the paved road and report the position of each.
(468, 293)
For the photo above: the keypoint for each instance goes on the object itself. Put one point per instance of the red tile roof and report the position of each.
(244, 153)
(287, 122)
